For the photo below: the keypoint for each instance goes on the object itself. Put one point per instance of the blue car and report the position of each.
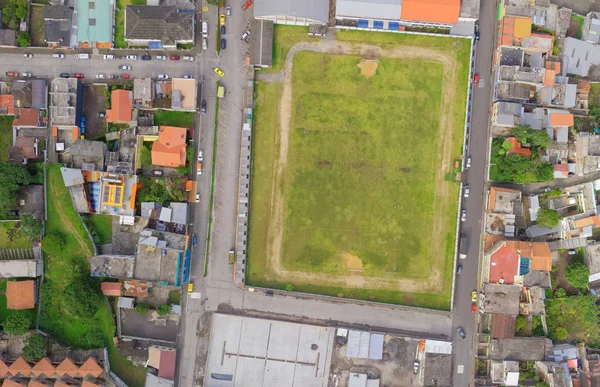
(194, 240)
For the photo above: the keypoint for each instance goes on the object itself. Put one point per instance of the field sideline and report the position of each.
(350, 193)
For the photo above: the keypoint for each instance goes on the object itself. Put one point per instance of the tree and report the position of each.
(577, 314)
(94, 339)
(183, 170)
(12, 176)
(13, 12)
(16, 324)
(34, 348)
(141, 308)
(535, 138)
(547, 218)
(560, 293)
(81, 297)
(163, 309)
(560, 333)
(520, 323)
(53, 244)
(289, 287)
(24, 39)
(31, 227)
(577, 275)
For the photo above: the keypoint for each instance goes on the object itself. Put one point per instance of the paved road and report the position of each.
(476, 177)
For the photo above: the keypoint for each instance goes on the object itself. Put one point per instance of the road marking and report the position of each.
(460, 369)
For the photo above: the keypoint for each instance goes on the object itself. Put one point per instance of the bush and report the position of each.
(31, 227)
(560, 333)
(289, 287)
(163, 309)
(94, 339)
(53, 244)
(34, 348)
(560, 293)
(578, 315)
(82, 299)
(516, 168)
(547, 218)
(520, 323)
(577, 275)
(141, 308)
(13, 12)
(16, 324)
(24, 39)
(535, 138)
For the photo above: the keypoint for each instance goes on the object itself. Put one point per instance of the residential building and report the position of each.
(20, 268)
(7, 104)
(517, 148)
(158, 26)
(184, 94)
(500, 299)
(95, 23)
(292, 12)
(579, 55)
(29, 118)
(513, 29)
(509, 261)
(503, 326)
(143, 93)
(162, 359)
(261, 47)
(520, 349)
(24, 150)
(430, 12)
(590, 32)
(506, 114)
(169, 149)
(111, 288)
(30, 94)
(66, 102)
(552, 373)
(505, 373)
(58, 21)
(8, 37)
(21, 294)
(121, 107)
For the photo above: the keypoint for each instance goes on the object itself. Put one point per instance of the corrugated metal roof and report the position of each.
(376, 347)
(310, 9)
(357, 380)
(436, 346)
(369, 9)
(353, 346)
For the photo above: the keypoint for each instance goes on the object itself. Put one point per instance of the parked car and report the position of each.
(245, 35)
(572, 252)
(194, 241)
(163, 76)
(28, 55)
(175, 57)
(197, 198)
(83, 56)
(458, 269)
(474, 296)
(188, 76)
(131, 57)
(228, 10)
(65, 75)
(416, 367)
(474, 308)
(247, 4)
(113, 76)
(204, 44)
(100, 76)
(223, 44)
(125, 76)
(222, 19)
(203, 109)
(219, 71)
(223, 30)
(476, 79)
(27, 74)
(476, 32)
(270, 293)
(146, 57)
(189, 58)
(125, 67)
(199, 168)
(461, 332)
(12, 74)
(109, 57)
(463, 215)
(467, 191)
(190, 287)
(468, 162)
(101, 114)
(77, 75)
(161, 57)
(200, 155)
(60, 56)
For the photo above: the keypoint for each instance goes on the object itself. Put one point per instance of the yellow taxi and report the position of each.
(190, 287)
(219, 71)
(222, 19)
(473, 296)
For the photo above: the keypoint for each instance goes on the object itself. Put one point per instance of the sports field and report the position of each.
(350, 194)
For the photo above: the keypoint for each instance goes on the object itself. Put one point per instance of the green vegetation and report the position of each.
(12, 176)
(23, 39)
(5, 313)
(17, 323)
(142, 308)
(521, 323)
(89, 323)
(11, 236)
(579, 19)
(284, 38)
(163, 309)
(13, 13)
(343, 131)
(31, 227)
(175, 297)
(578, 315)
(516, 168)
(37, 26)
(146, 153)
(6, 136)
(173, 118)
(162, 190)
(34, 348)
(120, 21)
(594, 97)
(547, 218)
(102, 225)
(577, 275)
(536, 138)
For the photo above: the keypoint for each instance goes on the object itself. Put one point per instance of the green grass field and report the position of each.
(172, 118)
(361, 170)
(19, 241)
(103, 226)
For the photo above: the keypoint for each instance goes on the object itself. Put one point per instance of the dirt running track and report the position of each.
(442, 200)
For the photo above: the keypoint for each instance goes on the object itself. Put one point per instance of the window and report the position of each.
(92, 5)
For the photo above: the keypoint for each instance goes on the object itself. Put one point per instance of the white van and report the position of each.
(204, 44)
(83, 56)
(205, 29)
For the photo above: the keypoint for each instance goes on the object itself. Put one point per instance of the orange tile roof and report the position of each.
(558, 119)
(589, 221)
(514, 27)
(8, 101)
(120, 102)
(549, 78)
(4, 370)
(111, 288)
(27, 117)
(37, 383)
(135, 288)
(55, 131)
(75, 133)
(434, 11)
(539, 252)
(517, 149)
(20, 294)
(169, 150)
(522, 27)
(90, 367)
(87, 383)
(12, 383)
(493, 191)
(67, 367)
(553, 66)
(20, 366)
(43, 367)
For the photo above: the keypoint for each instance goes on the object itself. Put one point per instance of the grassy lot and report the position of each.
(171, 118)
(594, 98)
(103, 226)
(579, 19)
(61, 272)
(6, 137)
(284, 37)
(329, 187)
(19, 241)
(120, 21)
(37, 30)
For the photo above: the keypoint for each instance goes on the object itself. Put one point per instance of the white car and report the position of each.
(124, 67)
(59, 56)
(466, 191)
(200, 155)
(109, 57)
(228, 10)
(463, 215)
(163, 76)
(100, 76)
(468, 162)
(28, 55)
(188, 58)
(204, 44)
(188, 76)
(26, 74)
(197, 197)
(131, 57)
(161, 57)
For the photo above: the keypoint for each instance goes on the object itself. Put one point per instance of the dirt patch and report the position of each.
(325, 163)
(353, 262)
(368, 67)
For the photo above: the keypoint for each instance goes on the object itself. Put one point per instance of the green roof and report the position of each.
(94, 21)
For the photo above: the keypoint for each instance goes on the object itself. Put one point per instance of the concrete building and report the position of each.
(58, 22)
(184, 96)
(66, 103)
(292, 12)
(506, 114)
(95, 23)
(578, 56)
(158, 26)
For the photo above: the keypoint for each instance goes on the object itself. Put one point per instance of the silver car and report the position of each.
(124, 67)
(463, 216)
(131, 57)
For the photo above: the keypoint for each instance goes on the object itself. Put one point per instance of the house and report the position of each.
(169, 149)
(590, 32)
(503, 326)
(261, 47)
(111, 288)
(88, 154)
(513, 29)
(552, 373)
(163, 360)
(505, 373)
(135, 288)
(520, 349)
(142, 92)
(25, 149)
(58, 21)
(506, 114)
(184, 94)
(21, 294)
(30, 94)
(431, 12)
(579, 55)
(509, 261)
(293, 12)
(7, 104)
(504, 200)
(29, 118)
(561, 171)
(66, 102)
(20, 268)
(95, 23)
(500, 299)
(121, 107)
(8, 37)
(158, 26)
(517, 148)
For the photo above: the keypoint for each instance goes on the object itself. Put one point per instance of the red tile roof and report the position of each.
(7, 104)
(120, 106)
(517, 149)
(20, 367)
(589, 221)
(504, 262)
(434, 11)
(67, 367)
(27, 117)
(558, 119)
(43, 367)
(135, 288)
(90, 367)
(169, 150)
(4, 370)
(553, 66)
(494, 191)
(111, 288)
(20, 294)
(503, 326)
(504, 266)
(166, 368)
(13, 383)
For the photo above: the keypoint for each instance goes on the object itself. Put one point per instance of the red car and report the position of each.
(175, 57)
(12, 74)
(125, 76)
(247, 4)
(77, 75)
(476, 79)
(473, 308)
